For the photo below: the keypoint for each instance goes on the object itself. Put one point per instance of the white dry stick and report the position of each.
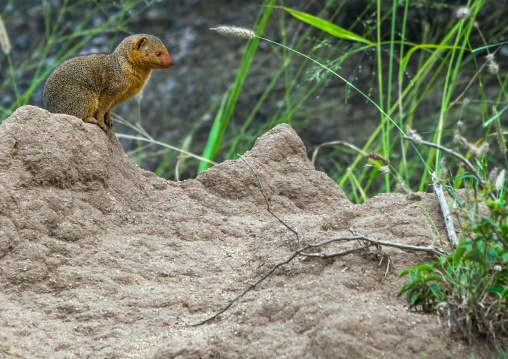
(446, 211)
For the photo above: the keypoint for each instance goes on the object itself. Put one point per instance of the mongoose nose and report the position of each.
(166, 61)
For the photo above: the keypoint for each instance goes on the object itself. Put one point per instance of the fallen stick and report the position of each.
(450, 229)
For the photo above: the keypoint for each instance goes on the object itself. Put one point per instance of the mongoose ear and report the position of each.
(139, 43)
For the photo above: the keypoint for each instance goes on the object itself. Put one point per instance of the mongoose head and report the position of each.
(147, 51)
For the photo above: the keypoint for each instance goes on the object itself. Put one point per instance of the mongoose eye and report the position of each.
(157, 53)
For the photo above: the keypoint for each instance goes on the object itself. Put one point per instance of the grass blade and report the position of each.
(328, 26)
(214, 141)
(489, 121)
(213, 137)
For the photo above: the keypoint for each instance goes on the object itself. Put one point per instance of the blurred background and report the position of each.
(180, 105)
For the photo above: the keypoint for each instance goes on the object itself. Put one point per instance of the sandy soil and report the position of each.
(97, 255)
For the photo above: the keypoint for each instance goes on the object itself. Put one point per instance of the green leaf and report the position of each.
(451, 276)
(486, 47)
(499, 291)
(405, 272)
(475, 255)
(489, 121)
(492, 255)
(406, 58)
(434, 277)
(328, 27)
(425, 268)
(436, 290)
(213, 136)
(415, 298)
(459, 253)
(404, 288)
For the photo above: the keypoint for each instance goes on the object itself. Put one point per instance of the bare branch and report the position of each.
(336, 254)
(408, 247)
(468, 164)
(301, 250)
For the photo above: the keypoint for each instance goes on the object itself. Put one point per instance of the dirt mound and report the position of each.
(97, 255)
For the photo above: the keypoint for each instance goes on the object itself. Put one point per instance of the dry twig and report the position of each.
(468, 164)
(268, 204)
(301, 251)
(253, 285)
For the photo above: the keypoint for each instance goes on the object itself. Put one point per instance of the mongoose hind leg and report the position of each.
(104, 127)
(108, 119)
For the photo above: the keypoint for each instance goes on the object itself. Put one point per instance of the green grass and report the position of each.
(437, 67)
(221, 122)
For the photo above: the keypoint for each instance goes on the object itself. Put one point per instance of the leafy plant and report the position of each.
(421, 289)
(469, 285)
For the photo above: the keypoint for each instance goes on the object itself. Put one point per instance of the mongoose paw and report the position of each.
(103, 126)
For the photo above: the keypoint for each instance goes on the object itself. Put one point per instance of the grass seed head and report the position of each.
(476, 152)
(4, 38)
(463, 12)
(377, 157)
(235, 31)
(489, 57)
(417, 140)
(493, 67)
(500, 180)
(499, 133)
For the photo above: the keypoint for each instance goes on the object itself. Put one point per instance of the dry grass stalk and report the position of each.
(370, 156)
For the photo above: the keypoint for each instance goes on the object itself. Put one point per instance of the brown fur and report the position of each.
(88, 87)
